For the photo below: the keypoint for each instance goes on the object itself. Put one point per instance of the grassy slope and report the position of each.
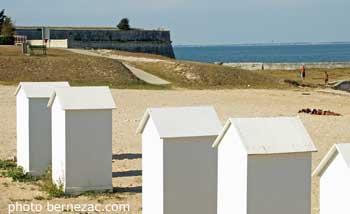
(61, 65)
(215, 75)
(89, 70)
(202, 75)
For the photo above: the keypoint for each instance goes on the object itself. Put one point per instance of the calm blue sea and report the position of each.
(266, 53)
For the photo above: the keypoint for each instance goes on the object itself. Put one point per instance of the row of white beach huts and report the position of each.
(190, 163)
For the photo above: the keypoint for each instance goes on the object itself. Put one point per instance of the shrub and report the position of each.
(124, 24)
(2, 17)
(7, 40)
(7, 28)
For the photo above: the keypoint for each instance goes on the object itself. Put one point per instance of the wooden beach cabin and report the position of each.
(264, 166)
(334, 173)
(34, 125)
(82, 138)
(179, 167)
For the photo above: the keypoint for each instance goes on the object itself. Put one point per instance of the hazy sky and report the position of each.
(199, 21)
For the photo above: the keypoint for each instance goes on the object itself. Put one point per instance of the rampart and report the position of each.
(145, 41)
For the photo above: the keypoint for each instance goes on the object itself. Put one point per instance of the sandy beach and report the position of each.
(131, 104)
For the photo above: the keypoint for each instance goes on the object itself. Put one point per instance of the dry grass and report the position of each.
(79, 69)
(197, 75)
(61, 65)
(143, 55)
(314, 77)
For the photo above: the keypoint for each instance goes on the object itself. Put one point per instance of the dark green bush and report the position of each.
(124, 24)
(7, 40)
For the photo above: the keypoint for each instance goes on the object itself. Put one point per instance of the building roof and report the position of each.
(174, 122)
(39, 89)
(342, 149)
(270, 135)
(83, 98)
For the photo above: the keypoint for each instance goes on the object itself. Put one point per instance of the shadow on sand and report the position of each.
(128, 156)
(129, 173)
(137, 189)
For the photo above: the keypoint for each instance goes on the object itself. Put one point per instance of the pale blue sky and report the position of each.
(199, 21)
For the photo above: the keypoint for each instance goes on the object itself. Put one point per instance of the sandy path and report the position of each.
(141, 74)
(147, 77)
(131, 104)
(107, 54)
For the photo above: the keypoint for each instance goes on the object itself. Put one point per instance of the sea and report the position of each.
(266, 53)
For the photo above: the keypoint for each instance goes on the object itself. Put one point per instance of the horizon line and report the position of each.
(262, 44)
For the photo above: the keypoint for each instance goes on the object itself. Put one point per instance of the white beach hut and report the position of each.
(179, 167)
(34, 125)
(82, 138)
(334, 173)
(264, 166)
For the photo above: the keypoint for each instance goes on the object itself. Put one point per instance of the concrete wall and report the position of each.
(287, 66)
(39, 135)
(279, 183)
(145, 41)
(34, 33)
(22, 106)
(58, 121)
(52, 43)
(335, 188)
(190, 175)
(111, 35)
(88, 150)
(33, 134)
(232, 175)
(152, 170)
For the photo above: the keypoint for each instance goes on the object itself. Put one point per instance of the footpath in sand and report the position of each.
(141, 74)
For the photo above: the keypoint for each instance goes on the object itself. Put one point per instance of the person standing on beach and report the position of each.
(326, 78)
(302, 72)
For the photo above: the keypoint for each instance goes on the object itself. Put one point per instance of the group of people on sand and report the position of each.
(303, 74)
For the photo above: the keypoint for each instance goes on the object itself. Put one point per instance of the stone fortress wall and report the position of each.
(144, 41)
(286, 66)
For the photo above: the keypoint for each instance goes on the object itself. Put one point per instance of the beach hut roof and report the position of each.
(39, 89)
(80, 98)
(342, 149)
(173, 122)
(270, 135)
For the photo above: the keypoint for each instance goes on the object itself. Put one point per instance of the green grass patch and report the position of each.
(7, 164)
(18, 174)
(11, 170)
(46, 184)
